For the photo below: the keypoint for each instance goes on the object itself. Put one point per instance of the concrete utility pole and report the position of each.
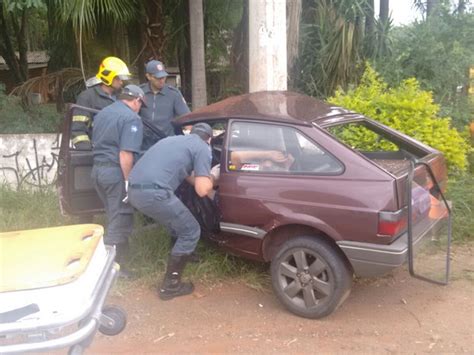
(198, 66)
(267, 45)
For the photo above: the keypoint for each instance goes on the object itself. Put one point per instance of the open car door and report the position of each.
(77, 195)
(429, 253)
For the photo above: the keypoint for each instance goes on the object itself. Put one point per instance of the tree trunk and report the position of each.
(431, 7)
(23, 45)
(293, 15)
(153, 31)
(369, 29)
(240, 50)
(6, 49)
(384, 10)
(198, 66)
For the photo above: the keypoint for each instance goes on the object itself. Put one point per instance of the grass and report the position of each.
(461, 193)
(28, 209)
(150, 245)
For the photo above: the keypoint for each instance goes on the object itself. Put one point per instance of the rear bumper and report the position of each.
(370, 260)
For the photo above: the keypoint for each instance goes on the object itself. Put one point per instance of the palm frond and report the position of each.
(89, 13)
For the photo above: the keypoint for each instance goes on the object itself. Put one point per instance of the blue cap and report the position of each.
(134, 91)
(202, 127)
(156, 68)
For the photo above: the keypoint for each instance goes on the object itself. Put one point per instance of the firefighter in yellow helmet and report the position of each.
(101, 92)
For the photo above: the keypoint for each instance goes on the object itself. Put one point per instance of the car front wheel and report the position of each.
(310, 277)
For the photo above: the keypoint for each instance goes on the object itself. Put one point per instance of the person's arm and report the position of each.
(81, 120)
(203, 185)
(180, 105)
(238, 158)
(126, 163)
(131, 137)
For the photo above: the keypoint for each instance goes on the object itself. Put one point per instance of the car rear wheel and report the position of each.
(310, 277)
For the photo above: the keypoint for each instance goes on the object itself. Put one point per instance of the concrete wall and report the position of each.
(28, 159)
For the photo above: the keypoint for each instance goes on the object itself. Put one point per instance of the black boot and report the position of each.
(172, 286)
(121, 258)
(194, 257)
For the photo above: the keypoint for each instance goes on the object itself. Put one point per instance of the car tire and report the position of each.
(310, 277)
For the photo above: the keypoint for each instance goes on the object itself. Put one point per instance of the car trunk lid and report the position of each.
(422, 177)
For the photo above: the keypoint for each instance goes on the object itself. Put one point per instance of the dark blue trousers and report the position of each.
(110, 186)
(168, 210)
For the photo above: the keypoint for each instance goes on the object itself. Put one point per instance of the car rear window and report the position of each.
(389, 151)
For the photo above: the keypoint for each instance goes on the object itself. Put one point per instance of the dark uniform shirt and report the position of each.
(81, 127)
(161, 108)
(116, 128)
(171, 160)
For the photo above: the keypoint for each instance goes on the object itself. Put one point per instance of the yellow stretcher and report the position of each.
(53, 285)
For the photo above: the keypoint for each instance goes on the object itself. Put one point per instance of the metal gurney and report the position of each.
(53, 285)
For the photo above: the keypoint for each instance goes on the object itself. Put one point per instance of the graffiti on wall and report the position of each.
(31, 161)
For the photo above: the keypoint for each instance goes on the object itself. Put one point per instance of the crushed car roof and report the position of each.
(278, 106)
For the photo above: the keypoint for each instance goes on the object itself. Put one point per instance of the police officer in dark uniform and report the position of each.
(117, 136)
(153, 181)
(101, 93)
(164, 103)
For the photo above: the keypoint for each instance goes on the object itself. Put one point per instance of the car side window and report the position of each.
(270, 148)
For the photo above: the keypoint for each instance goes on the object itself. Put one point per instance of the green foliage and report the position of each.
(91, 13)
(362, 139)
(20, 5)
(331, 46)
(407, 109)
(220, 19)
(438, 53)
(14, 119)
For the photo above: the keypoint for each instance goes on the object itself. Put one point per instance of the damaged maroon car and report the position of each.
(321, 193)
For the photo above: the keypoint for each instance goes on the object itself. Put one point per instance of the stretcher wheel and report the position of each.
(113, 320)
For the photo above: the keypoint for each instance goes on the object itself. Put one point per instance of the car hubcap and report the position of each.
(305, 278)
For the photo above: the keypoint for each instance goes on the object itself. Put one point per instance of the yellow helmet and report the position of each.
(110, 68)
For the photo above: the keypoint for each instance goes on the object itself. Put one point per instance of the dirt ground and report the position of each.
(392, 314)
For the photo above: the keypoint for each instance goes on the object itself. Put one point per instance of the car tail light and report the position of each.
(392, 224)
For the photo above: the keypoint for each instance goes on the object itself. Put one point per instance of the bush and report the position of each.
(438, 52)
(14, 119)
(407, 109)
